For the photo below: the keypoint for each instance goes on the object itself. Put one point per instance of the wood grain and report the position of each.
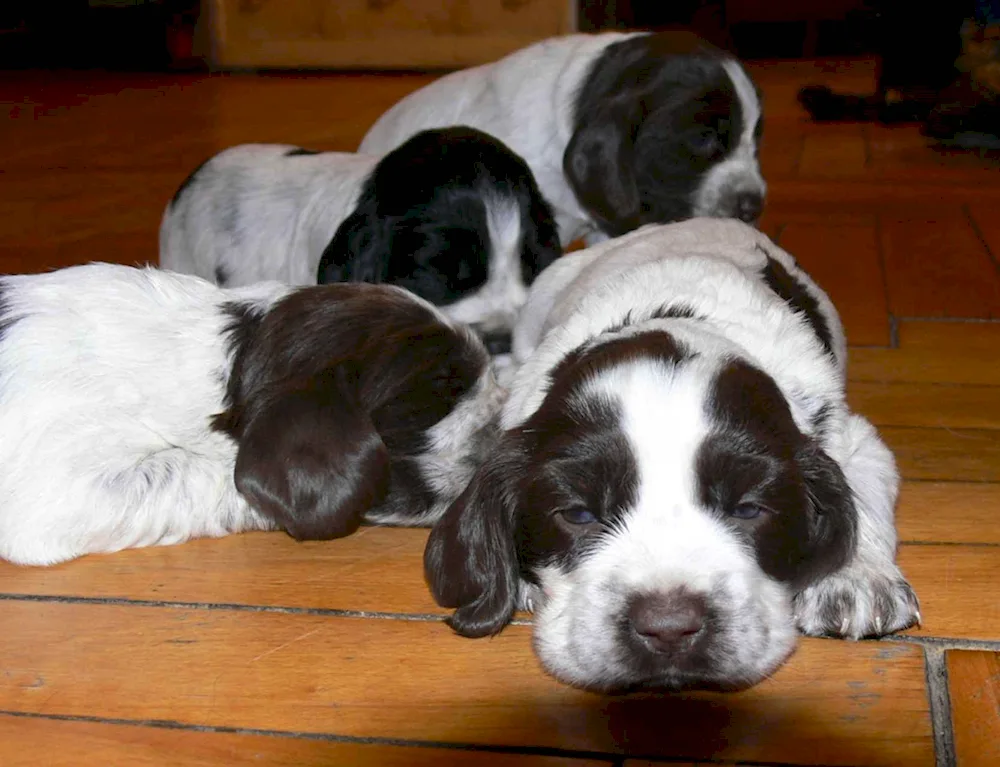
(969, 455)
(400, 679)
(974, 684)
(933, 352)
(99, 744)
(844, 260)
(376, 569)
(949, 512)
(957, 589)
(959, 406)
(936, 266)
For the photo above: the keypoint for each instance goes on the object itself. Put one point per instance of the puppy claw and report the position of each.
(858, 602)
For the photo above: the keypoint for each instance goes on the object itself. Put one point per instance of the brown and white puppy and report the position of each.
(141, 407)
(679, 484)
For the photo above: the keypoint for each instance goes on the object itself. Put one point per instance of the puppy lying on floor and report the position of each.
(679, 483)
(452, 215)
(141, 407)
(620, 129)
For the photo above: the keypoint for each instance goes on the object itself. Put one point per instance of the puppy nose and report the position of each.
(666, 621)
(496, 341)
(748, 206)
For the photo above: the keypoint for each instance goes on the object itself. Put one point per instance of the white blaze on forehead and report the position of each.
(496, 304)
(668, 538)
(749, 103)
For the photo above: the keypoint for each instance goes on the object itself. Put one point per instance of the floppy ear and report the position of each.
(358, 252)
(470, 562)
(598, 163)
(541, 241)
(834, 519)
(311, 460)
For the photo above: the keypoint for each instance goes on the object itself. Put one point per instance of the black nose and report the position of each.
(749, 206)
(668, 622)
(496, 341)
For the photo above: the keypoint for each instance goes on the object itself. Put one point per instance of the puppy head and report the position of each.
(455, 217)
(659, 511)
(666, 128)
(335, 397)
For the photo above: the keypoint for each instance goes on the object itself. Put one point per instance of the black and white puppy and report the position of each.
(619, 129)
(679, 483)
(141, 407)
(451, 215)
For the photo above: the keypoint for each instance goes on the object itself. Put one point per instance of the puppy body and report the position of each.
(452, 215)
(260, 212)
(142, 407)
(679, 482)
(620, 129)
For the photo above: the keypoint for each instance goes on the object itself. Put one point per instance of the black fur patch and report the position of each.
(794, 293)
(652, 116)
(188, 181)
(756, 456)
(300, 152)
(421, 218)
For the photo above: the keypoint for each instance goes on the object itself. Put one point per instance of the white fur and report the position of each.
(256, 214)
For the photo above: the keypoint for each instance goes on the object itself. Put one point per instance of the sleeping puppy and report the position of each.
(620, 130)
(451, 215)
(141, 407)
(679, 482)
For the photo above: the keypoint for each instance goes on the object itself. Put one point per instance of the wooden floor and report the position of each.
(258, 650)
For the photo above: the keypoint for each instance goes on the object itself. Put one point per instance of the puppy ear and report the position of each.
(311, 460)
(598, 163)
(541, 241)
(834, 517)
(470, 562)
(358, 251)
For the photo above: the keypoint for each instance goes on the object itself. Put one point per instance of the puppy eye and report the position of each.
(579, 516)
(705, 143)
(747, 511)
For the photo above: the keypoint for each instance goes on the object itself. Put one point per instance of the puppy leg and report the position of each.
(868, 596)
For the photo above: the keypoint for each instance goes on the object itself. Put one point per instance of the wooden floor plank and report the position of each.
(834, 151)
(974, 684)
(936, 266)
(949, 512)
(987, 225)
(28, 742)
(844, 260)
(969, 455)
(934, 352)
(374, 570)
(959, 406)
(957, 589)
(401, 679)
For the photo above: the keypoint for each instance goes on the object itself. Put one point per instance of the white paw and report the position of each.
(857, 602)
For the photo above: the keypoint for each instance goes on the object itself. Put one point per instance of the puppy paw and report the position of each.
(856, 603)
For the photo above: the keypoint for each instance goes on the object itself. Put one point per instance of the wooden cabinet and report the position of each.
(379, 34)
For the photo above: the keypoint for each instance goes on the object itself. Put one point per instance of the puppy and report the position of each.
(619, 129)
(141, 407)
(451, 215)
(679, 482)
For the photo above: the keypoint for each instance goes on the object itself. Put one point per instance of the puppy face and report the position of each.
(455, 217)
(666, 130)
(350, 402)
(658, 511)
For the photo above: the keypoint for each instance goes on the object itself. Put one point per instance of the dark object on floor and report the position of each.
(937, 68)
